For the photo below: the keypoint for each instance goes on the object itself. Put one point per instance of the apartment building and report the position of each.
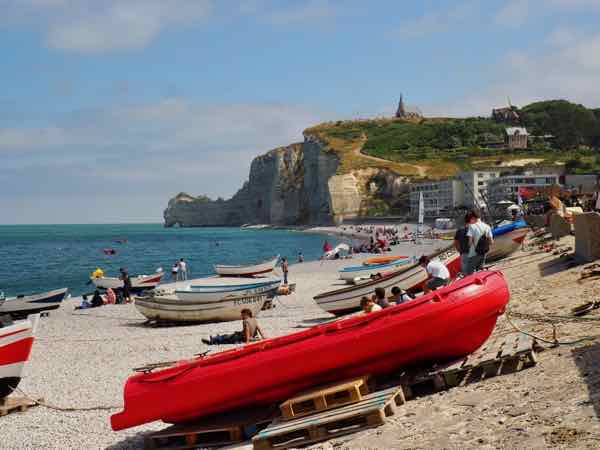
(439, 197)
(507, 187)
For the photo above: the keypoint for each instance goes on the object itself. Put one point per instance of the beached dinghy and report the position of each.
(347, 300)
(171, 308)
(353, 272)
(507, 239)
(376, 260)
(23, 305)
(16, 340)
(208, 293)
(248, 270)
(139, 282)
(446, 324)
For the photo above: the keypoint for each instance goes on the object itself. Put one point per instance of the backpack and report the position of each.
(483, 245)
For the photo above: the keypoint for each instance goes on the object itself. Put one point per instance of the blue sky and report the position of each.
(110, 107)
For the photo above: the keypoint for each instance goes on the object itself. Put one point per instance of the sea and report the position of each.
(37, 258)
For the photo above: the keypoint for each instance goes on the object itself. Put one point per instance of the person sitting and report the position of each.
(250, 331)
(437, 271)
(97, 299)
(379, 298)
(368, 305)
(84, 303)
(111, 298)
(399, 296)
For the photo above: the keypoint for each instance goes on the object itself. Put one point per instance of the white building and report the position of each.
(507, 187)
(439, 197)
(475, 187)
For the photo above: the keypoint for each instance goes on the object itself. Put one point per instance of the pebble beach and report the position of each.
(81, 359)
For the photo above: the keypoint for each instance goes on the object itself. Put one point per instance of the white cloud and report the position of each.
(514, 13)
(89, 26)
(438, 21)
(311, 11)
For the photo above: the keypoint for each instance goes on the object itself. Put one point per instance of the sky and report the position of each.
(108, 108)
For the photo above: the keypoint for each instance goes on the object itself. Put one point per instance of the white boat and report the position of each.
(139, 282)
(507, 240)
(340, 248)
(170, 308)
(213, 293)
(247, 270)
(353, 272)
(347, 300)
(16, 340)
(23, 305)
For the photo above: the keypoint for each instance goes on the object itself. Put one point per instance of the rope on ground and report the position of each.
(63, 408)
(548, 319)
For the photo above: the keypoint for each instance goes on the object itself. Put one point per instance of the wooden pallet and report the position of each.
(325, 397)
(372, 411)
(216, 431)
(498, 356)
(16, 404)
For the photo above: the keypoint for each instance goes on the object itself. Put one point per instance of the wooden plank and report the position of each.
(370, 412)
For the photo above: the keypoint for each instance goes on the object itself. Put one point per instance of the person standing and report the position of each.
(182, 270)
(300, 257)
(175, 271)
(285, 269)
(480, 240)
(126, 285)
(461, 244)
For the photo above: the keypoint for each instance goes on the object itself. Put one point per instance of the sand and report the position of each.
(82, 359)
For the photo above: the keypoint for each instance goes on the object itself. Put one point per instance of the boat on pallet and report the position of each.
(365, 271)
(347, 300)
(508, 238)
(21, 306)
(16, 339)
(458, 319)
(171, 308)
(138, 283)
(247, 270)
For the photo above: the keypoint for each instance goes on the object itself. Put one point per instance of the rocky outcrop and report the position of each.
(294, 185)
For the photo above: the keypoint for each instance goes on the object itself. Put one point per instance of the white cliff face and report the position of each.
(293, 185)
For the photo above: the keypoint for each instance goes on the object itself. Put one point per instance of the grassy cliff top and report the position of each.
(441, 147)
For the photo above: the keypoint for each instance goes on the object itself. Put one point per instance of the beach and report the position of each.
(81, 359)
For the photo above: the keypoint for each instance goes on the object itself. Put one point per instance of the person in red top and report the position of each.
(327, 247)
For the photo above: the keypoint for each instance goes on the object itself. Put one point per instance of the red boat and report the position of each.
(446, 324)
(16, 340)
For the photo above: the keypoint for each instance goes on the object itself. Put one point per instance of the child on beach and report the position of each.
(368, 305)
(285, 269)
(250, 331)
(379, 298)
(175, 271)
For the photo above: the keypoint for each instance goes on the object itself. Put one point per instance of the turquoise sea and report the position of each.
(43, 257)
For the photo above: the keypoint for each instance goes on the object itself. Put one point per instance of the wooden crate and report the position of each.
(216, 431)
(325, 397)
(16, 404)
(372, 411)
(498, 356)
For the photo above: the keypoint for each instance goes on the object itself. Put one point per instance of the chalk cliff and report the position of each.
(295, 185)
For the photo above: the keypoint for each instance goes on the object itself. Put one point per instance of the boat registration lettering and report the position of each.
(247, 301)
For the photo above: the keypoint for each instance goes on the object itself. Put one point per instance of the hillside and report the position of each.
(441, 147)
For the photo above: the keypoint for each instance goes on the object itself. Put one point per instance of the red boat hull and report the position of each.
(446, 324)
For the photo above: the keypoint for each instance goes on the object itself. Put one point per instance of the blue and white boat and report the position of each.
(208, 292)
(353, 272)
(508, 237)
(24, 305)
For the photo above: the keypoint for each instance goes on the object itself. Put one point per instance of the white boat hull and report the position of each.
(506, 244)
(15, 346)
(139, 282)
(247, 271)
(207, 294)
(173, 309)
(347, 300)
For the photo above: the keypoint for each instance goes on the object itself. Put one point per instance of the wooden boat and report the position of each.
(16, 340)
(139, 282)
(24, 305)
(171, 308)
(248, 270)
(208, 293)
(347, 300)
(441, 326)
(382, 260)
(507, 240)
(354, 272)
